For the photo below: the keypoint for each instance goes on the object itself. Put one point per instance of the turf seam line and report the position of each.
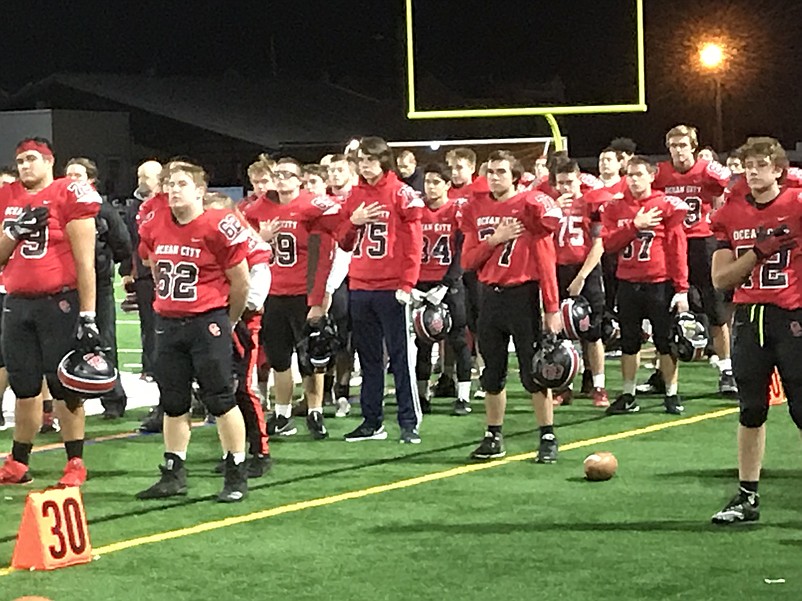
(382, 488)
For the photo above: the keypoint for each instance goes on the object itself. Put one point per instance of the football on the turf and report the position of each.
(600, 466)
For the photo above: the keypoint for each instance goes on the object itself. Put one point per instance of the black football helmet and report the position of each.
(431, 323)
(91, 374)
(576, 316)
(688, 337)
(610, 331)
(318, 346)
(555, 363)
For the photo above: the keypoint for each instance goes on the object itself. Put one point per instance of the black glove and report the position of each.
(770, 242)
(87, 334)
(28, 224)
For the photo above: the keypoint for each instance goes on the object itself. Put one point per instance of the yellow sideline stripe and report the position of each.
(382, 488)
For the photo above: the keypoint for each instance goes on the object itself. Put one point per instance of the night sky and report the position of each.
(491, 51)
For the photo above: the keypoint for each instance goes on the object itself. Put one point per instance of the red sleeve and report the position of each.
(83, 201)
(250, 216)
(475, 252)
(542, 215)
(319, 268)
(718, 178)
(547, 266)
(145, 243)
(677, 250)
(346, 233)
(615, 238)
(719, 228)
(229, 242)
(410, 236)
(327, 215)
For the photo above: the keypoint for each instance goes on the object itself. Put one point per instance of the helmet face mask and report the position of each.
(90, 374)
(431, 323)
(318, 347)
(688, 337)
(555, 364)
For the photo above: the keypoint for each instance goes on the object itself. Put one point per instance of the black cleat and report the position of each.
(587, 383)
(314, 422)
(625, 403)
(445, 387)
(744, 507)
(547, 453)
(425, 406)
(409, 436)
(282, 426)
(726, 384)
(461, 407)
(366, 432)
(173, 483)
(235, 481)
(673, 405)
(654, 385)
(491, 447)
(152, 424)
(258, 465)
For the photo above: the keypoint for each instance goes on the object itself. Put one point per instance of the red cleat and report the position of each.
(14, 472)
(74, 473)
(600, 398)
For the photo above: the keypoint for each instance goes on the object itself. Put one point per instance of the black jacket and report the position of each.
(134, 262)
(113, 244)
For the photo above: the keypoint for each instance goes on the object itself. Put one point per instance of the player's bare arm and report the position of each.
(728, 272)
(81, 234)
(240, 282)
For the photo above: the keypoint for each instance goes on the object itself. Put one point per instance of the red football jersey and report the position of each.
(304, 216)
(647, 256)
(45, 265)
(575, 235)
(440, 228)
(738, 186)
(386, 253)
(189, 260)
(697, 187)
(462, 193)
(778, 280)
(528, 258)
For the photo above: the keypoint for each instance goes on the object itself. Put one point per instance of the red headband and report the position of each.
(34, 145)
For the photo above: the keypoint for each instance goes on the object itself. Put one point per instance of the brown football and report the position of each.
(600, 466)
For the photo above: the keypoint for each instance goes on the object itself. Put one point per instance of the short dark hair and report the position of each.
(442, 171)
(563, 165)
(639, 159)
(462, 153)
(405, 152)
(88, 164)
(379, 149)
(515, 165)
(316, 169)
(290, 161)
(625, 145)
(9, 170)
(613, 150)
(764, 146)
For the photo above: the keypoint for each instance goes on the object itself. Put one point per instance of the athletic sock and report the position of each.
(74, 448)
(21, 451)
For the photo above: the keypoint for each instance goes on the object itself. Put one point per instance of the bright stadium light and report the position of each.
(711, 56)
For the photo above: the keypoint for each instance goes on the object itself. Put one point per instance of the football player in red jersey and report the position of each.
(508, 241)
(612, 164)
(199, 262)
(342, 176)
(50, 279)
(246, 340)
(701, 184)
(299, 227)
(260, 175)
(382, 227)
(441, 280)
(579, 249)
(463, 182)
(645, 227)
(758, 257)
(316, 179)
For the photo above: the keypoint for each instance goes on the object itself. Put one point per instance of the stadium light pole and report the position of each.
(712, 60)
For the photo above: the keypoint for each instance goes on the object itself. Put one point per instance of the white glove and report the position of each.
(436, 295)
(679, 301)
(403, 297)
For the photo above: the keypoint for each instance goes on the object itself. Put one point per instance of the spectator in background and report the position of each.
(411, 174)
(8, 175)
(707, 154)
(627, 148)
(113, 245)
(139, 278)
